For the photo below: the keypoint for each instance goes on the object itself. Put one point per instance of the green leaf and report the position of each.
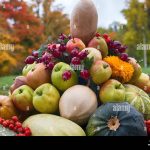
(88, 63)
(42, 49)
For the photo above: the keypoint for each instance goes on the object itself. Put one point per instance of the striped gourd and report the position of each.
(139, 99)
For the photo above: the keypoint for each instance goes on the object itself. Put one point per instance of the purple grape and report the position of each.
(35, 54)
(75, 52)
(124, 56)
(122, 49)
(57, 53)
(50, 65)
(116, 44)
(29, 60)
(62, 48)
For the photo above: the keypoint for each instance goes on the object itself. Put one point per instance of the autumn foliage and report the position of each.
(21, 26)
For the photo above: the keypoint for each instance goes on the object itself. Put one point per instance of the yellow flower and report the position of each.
(121, 70)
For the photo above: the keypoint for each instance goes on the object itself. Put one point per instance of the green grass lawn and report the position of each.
(146, 70)
(5, 83)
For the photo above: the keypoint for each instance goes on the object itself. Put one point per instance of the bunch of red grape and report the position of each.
(116, 48)
(51, 55)
(56, 52)
(78, 58)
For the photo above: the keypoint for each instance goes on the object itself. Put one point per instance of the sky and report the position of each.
(108, 10)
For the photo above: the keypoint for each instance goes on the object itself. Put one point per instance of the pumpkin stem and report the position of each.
(113, 123)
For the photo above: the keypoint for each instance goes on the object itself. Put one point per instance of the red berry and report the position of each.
(83, 54)
(26, 129)
(20, 130)
(11, 126)
(11, 122)
(8, 122)
(97, 34)
(15, 129)
(57, 53)
(29, 60)
(5, 123)
(18, 124)
(105, 36)
(35, 54)
(148, 122)
(50, 65)
(66, 75)
(85, 74)
(15, 118)
(75, 52)
(20, 135)
(124, 56)
(1, 120)
(27, 133)
(108, 40)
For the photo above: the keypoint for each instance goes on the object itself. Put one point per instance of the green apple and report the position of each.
(22, 98)
(93, 53)
(100, 72)
(112, 91)
(57, 76)
(46, 99)
(27, 68)
(100, 44)
(19, 81)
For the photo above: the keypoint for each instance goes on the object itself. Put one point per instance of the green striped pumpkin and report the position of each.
(139, 99)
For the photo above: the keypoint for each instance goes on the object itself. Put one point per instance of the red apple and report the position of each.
(19, 81)
(38, 76)
(73, 43)
(7, 109)
(100, 44)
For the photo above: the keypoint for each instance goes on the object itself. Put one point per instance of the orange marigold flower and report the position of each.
(121, 70)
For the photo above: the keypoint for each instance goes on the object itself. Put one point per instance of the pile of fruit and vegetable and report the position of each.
(82, 84)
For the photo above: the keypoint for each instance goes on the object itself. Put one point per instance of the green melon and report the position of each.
(139, 99)
(116, 119)
(51, 125)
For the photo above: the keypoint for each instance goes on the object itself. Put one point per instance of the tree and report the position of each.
(55, 22)
(23, 23)
(137, 27)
